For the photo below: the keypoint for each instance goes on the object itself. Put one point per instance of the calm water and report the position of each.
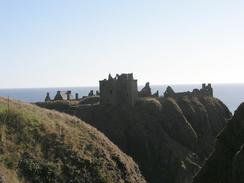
(231, 94)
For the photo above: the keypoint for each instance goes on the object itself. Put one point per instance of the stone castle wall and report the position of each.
(206, 90)
(119, 90)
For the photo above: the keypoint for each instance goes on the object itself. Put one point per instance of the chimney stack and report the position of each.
(77, 96)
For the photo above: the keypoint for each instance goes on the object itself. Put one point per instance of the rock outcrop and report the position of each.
(168, 137)
(91, 93)
(226, 163)
(145, 91)
(39, 145)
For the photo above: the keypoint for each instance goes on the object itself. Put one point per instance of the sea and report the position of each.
(231, 94)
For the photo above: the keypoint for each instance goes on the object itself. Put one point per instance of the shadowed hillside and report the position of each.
(226, 163)
(38, 145)
(168, 138)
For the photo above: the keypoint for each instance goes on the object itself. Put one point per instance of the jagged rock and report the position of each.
(91, 93)
(169, 92)
(156, 94)
(146, 91)
(226, 163)
(47, 99)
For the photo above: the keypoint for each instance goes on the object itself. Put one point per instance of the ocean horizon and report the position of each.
(231, 94)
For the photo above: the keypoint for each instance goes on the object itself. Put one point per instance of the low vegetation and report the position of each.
(39, 145)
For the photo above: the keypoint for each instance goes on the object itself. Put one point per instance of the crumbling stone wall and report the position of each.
(119, 90)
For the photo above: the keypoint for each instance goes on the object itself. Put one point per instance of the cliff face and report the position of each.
(168, 138)
(226, 163)
(38, 145)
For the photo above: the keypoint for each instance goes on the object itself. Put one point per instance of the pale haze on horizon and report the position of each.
(62, 43)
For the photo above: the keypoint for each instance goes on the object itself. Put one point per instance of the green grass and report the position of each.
(39, 145)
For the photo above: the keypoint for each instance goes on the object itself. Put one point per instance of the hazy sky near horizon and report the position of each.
(53, 43)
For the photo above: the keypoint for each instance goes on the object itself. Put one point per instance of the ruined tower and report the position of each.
(121, 90)
(207, 90)
(47, 99)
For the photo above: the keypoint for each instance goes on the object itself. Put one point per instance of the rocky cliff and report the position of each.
(226, 163)
(168, 138)
(38, 145)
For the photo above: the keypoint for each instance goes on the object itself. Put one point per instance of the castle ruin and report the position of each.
(119, 90)
(122, 90)
(146, 91)
(63, 95)
(206, 90)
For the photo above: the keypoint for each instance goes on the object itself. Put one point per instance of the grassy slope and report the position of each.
(38, 145)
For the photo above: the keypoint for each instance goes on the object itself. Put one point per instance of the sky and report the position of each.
(64, 43)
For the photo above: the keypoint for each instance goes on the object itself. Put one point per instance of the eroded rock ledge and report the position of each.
(226, 163)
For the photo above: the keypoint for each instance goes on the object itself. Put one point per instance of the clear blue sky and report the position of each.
(50, 43)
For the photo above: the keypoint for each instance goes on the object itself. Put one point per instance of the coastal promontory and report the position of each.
(168, 138)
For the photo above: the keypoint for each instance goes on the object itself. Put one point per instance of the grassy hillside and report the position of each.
(38, 145)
